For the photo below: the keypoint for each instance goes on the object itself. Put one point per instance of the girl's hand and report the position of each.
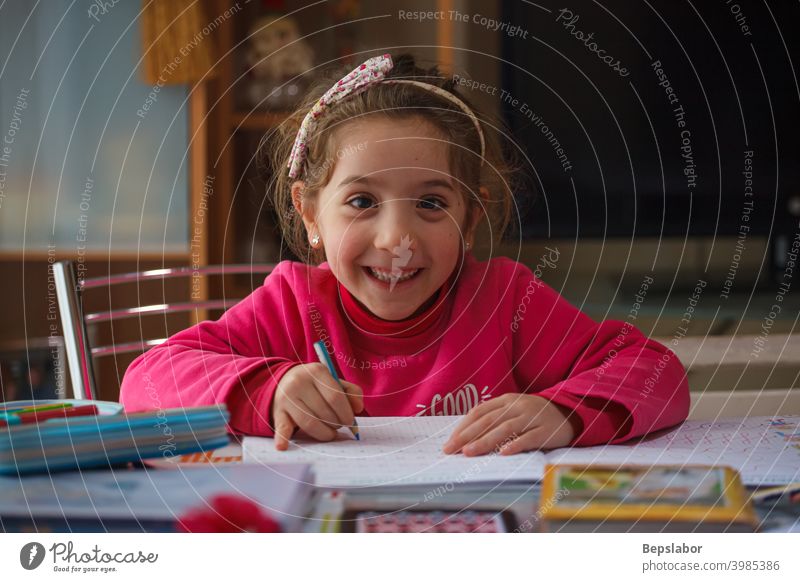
(309, 398)
(513, 423)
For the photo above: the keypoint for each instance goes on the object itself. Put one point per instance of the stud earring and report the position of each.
(315, 240)
(466, 246)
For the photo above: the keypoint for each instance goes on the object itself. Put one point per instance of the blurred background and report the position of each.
(657, 142)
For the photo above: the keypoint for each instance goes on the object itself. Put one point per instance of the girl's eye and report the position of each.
(364, 202)
(360, 202)
(432, 203)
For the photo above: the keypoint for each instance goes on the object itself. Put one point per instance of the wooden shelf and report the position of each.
(257, 120)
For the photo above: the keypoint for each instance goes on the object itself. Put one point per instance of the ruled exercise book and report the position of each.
(407, 451)
(396, 451)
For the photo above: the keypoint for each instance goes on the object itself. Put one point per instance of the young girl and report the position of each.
(381, 184)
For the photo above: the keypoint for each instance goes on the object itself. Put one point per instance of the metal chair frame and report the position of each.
(74, 322)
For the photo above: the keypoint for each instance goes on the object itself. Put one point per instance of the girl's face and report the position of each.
(392, 217)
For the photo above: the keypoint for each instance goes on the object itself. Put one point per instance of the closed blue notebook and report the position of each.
(95, 441)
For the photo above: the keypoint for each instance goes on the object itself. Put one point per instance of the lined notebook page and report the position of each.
(396, 451)
(765, 450)
(400, 451)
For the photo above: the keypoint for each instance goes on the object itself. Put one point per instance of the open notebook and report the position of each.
(407, 451)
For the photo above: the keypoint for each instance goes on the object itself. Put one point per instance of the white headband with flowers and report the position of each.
(368, 73)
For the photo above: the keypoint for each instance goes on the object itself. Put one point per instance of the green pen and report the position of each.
(324, 358)
(35, 408)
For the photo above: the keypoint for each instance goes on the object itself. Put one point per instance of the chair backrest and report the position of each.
(74, 321)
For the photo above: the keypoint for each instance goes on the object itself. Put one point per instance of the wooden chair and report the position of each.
(75, 322)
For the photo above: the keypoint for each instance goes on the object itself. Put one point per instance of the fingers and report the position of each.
(489, 442)
(525, 442)
(456, 440)
(318, 406)
(533, 439)
(284, 427)
(355, 396)
(310, 399)
(544, 436)
(342, 398)
(463, 435)
(479, 411)
(310, 423)
(336, 398)
(299, 417)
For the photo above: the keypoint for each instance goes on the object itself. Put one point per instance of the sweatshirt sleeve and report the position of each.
(237, 360)
(619, 383)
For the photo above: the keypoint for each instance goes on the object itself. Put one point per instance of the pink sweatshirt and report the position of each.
(495, 328)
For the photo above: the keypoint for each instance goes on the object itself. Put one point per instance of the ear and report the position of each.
(478, 212)
(304, 209)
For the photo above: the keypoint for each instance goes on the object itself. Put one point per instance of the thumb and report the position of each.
(284, 427)
(354, 395)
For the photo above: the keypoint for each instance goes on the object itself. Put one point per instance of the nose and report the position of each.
(395, 227)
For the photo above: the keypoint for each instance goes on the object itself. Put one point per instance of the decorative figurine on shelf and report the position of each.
(277, 58)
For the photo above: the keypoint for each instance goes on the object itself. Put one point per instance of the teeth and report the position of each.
(387, 277)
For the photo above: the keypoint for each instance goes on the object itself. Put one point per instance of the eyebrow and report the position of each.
(370, 181)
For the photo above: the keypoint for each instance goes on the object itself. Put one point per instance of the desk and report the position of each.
(522, 500)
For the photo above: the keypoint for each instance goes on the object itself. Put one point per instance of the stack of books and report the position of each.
(48, 440)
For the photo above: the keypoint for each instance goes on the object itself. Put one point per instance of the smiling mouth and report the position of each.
(388, 276)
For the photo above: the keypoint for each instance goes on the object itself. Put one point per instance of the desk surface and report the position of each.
(521, 499)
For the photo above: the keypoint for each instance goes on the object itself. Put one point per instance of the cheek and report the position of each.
(450, 236)
(445, 245)
(344, 243)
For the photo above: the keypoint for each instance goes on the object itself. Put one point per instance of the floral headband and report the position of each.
(369, 73)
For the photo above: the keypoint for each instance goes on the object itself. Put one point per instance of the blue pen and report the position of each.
(324, 358)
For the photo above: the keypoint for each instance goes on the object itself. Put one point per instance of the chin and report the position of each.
(392, 315)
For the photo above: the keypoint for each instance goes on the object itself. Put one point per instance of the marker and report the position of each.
(35, 408)
(42, 415)
(324, 358)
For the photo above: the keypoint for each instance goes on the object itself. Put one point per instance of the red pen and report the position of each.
(31, 417)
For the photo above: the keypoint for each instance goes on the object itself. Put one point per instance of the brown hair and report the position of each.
(394, 101)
